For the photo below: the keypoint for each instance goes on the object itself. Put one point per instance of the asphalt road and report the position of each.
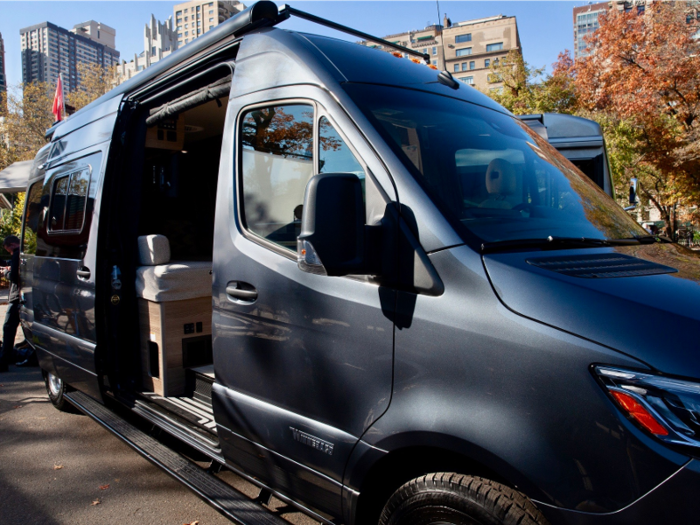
(59, 468)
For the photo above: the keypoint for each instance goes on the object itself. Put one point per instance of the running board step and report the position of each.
(228, 501)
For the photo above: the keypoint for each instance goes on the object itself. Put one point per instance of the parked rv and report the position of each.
(578, 139)
(362, 286)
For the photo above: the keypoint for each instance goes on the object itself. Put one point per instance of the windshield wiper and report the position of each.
(560, 243)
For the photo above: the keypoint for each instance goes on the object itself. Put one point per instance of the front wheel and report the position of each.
(456, 499)
(56, 388)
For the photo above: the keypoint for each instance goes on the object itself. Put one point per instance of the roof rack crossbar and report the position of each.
(286, 11)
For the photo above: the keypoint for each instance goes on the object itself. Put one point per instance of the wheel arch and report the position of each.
(375, 472)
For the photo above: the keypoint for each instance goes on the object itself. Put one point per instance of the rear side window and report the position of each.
(68, 202)
(32, 218)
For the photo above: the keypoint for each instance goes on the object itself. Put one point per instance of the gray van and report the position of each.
(578, 139)
(365, 288)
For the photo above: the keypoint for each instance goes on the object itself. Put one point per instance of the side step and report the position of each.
(228, 501)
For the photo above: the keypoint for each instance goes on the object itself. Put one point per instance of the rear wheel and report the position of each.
(56, 388)
(456, 499)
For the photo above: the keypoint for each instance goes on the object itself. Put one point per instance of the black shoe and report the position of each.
(30, 361)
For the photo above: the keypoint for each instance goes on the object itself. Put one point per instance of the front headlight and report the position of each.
(668, 409)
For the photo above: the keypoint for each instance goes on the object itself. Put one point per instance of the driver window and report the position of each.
(276, 164)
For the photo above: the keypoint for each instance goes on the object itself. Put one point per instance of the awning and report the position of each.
(14, 177)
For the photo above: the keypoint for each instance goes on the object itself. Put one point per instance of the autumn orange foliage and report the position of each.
(645, 69)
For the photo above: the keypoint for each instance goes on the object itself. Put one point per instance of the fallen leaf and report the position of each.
(57, 467)
(95, 502)
(17, 406)
(195, 522)
(104, 487)
(116, 480)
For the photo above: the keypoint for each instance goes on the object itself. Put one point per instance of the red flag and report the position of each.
(58, 102)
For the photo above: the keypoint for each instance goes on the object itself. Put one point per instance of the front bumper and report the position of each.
(675, 501)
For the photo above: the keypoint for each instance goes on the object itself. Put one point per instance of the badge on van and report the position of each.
(312, 441)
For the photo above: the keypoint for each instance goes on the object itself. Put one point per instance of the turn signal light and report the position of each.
(639, 413)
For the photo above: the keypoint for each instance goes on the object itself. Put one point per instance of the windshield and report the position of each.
(492, 177)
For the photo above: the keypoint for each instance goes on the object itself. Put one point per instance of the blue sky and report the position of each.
(545, 26)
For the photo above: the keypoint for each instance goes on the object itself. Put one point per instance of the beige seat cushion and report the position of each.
(175, 281)
(153, 250)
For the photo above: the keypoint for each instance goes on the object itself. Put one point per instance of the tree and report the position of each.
(94, 81)
(26, 121)
(644, 73)
(522, 93)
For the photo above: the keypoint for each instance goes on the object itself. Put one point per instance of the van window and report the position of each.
(276, 164)
(492, 177)
(31, 219)
(334, 155)
(68, 201)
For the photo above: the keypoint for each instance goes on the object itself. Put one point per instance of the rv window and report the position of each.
(67, 212)
(31, 219)
(276, 164)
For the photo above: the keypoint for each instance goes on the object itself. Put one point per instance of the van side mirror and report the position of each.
(334, 238)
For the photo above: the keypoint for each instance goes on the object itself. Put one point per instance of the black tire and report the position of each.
(55, 388)
(456, 499)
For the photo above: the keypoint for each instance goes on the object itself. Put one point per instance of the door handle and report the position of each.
(241, 291)
(83, 273)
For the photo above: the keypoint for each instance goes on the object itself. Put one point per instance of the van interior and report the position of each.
(174, 159)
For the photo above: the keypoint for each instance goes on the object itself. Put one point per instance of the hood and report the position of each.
(648, 308)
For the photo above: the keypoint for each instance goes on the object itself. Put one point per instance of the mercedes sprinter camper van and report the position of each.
(364, 287)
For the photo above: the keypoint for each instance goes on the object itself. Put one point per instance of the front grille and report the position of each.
(604, 266)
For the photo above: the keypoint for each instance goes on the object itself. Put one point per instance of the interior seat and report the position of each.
(501, 183)
(159, 279)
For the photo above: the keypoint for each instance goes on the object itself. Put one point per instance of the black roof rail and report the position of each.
(286, 11)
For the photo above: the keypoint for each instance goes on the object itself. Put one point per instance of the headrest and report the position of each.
(154, 250)
(501, 178)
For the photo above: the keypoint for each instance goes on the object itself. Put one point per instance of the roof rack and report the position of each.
(286, 12)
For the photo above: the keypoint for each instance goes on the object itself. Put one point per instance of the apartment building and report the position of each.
(466, 49)
(3, 79)
(159, 40)
(193, 19)
(471, 48)
(585, 23)
(49, 50)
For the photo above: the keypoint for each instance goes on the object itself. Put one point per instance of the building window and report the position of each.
(472, 65)
(211, 20)
(494, 47)
(197, 8)
(464, 51)
(179, 13)
(464, 66)
(434, 51)
(456, 68)
(468, 80)
(435, 62)
(463, 38)
(487, 63)
(495, 61)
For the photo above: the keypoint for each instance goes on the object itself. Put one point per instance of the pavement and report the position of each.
(64, 469)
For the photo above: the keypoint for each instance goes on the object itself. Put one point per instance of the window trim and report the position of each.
(56, 177)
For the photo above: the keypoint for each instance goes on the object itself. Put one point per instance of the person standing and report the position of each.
(9, 329)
